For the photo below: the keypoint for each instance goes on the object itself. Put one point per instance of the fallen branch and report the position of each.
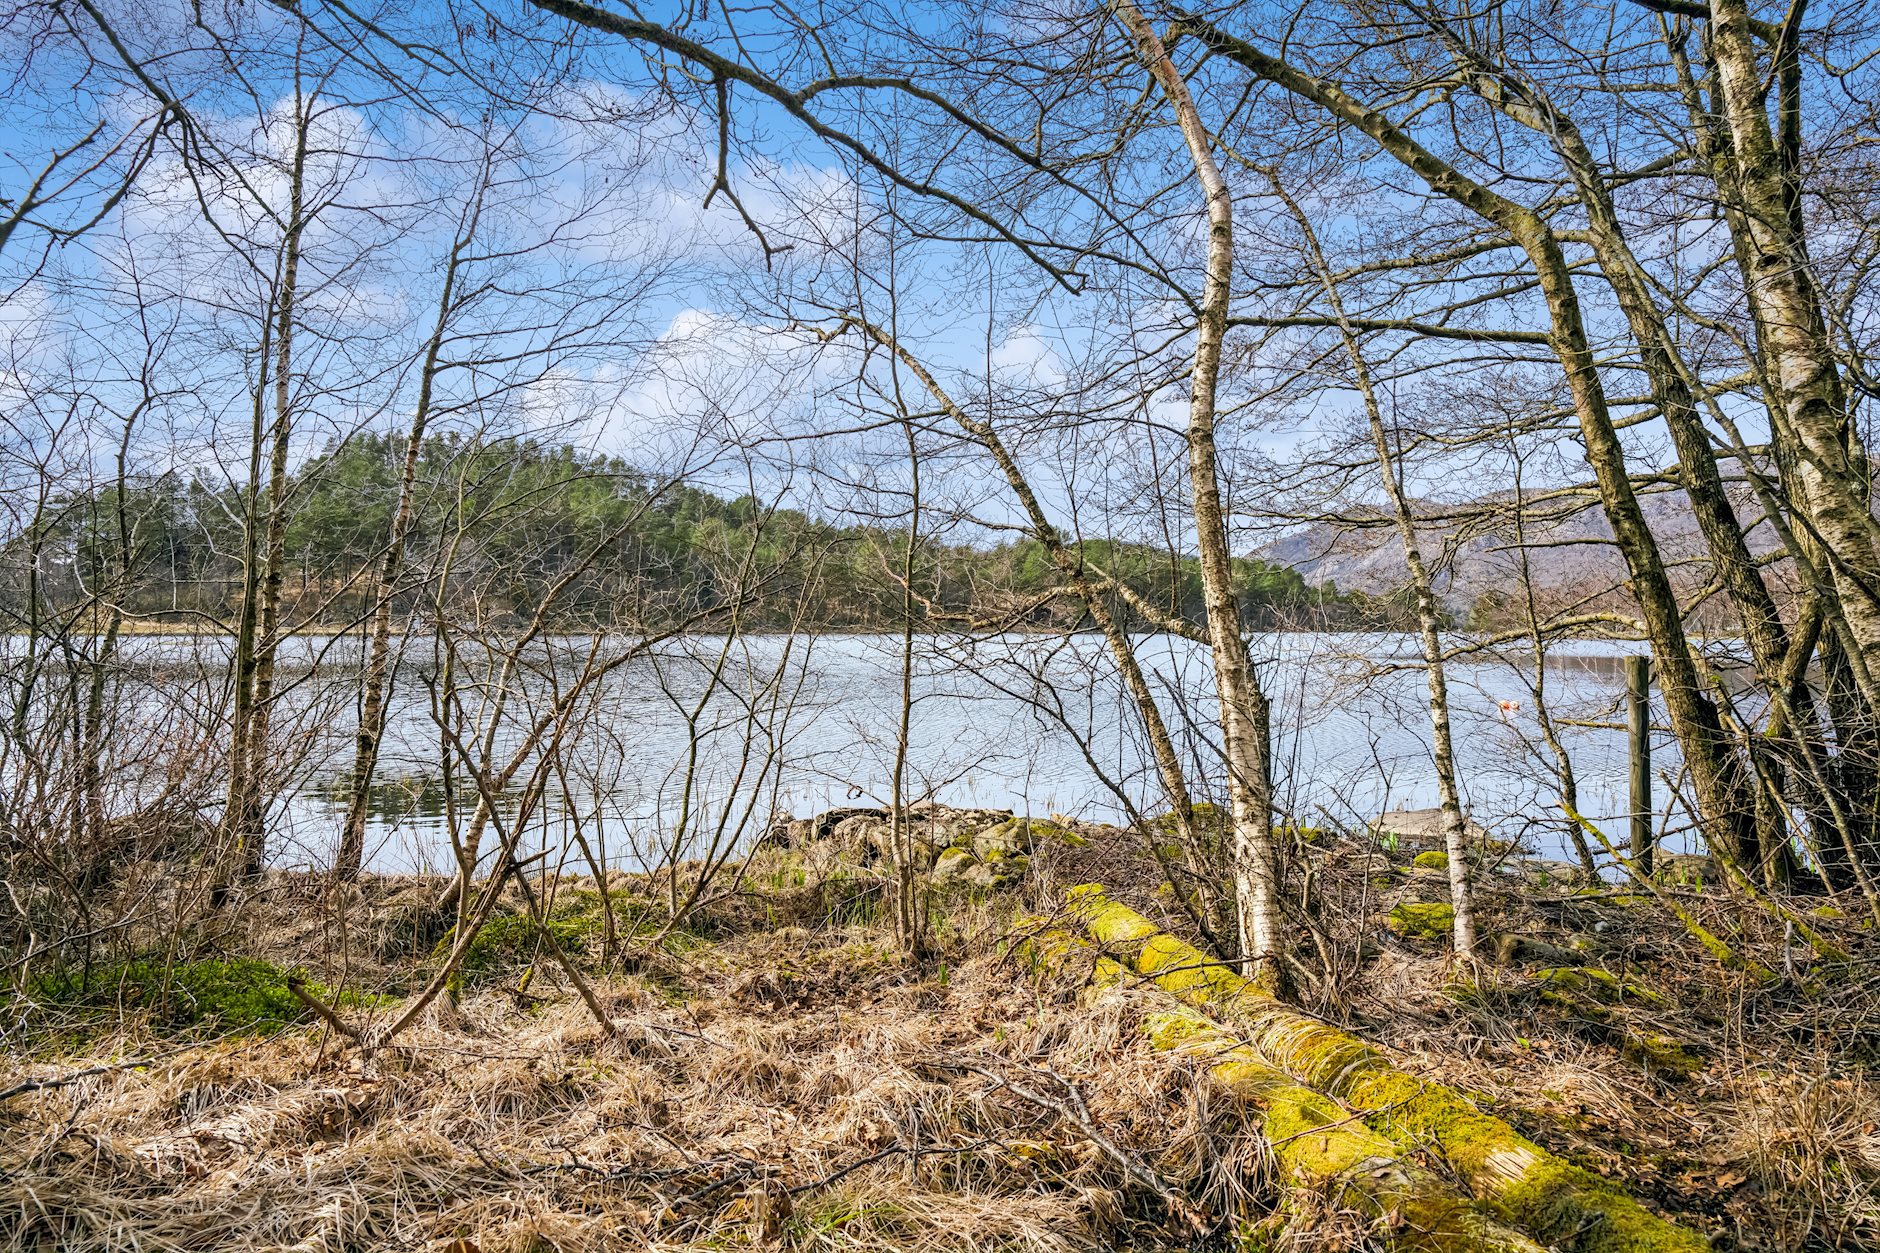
(61, 1081)
(1726, 956)
(321, 1010)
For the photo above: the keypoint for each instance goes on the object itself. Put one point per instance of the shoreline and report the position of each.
(172, 630)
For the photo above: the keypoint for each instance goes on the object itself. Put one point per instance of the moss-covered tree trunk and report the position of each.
(1319, 1147)
(1551, 1199)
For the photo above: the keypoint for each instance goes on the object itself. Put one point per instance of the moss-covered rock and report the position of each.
(1002, 872)
(1599, 999)
(1689, 870)
(1020, 835)
(1421, 920)
(1303, 834)
(1664, 1054)
(1209, 822)
(1542, 872)
(1006, 838)
(1433, 859)
(1047, 830)
(1511, 949)
(953, 864)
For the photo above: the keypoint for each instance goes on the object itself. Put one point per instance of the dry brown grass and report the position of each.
(796, 1086)
(1809, 1136)
(855, 1106)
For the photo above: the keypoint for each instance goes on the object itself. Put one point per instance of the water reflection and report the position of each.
(401, 799)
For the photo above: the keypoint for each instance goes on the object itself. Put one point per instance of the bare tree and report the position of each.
(1429, 614)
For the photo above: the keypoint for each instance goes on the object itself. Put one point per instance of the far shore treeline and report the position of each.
(501, 524)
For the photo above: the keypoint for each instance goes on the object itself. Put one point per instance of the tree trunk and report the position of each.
(1723, 801)
(1246, 730)
(264, 561)
(1838, 791)
(1669, 382)
(377, 679)
(1429, 615)
(1792, 329)
(1069, 563)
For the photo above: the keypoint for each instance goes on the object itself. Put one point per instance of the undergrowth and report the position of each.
(187, 999)
(776, 1075)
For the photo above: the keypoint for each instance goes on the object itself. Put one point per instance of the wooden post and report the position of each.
(1638, 732)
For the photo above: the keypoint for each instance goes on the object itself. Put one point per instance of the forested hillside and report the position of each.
(501, 523)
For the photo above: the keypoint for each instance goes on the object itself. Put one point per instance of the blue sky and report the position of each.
(655, 326)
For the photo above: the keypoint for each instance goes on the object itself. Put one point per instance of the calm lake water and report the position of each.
(1021, 722)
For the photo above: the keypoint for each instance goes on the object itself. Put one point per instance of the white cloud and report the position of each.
(709, 384)
(1025, 356)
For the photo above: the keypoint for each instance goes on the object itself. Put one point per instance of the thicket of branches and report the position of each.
(1038, 316)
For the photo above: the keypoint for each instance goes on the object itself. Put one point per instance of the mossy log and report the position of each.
(1526, 1186)
(1318, 1145)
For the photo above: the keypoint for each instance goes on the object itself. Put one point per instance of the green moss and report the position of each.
(1464, 990)
(220, 996)
(510, 942)
(1516, 1180)
(1209, 822)
(1434, 859)
(1301, 833)
(1686, 870)
(1421, 920)
(1660, 1052)
(1596, 998)
(840, 1221)
(953, 863)
(1602, 985)
(1057, 832)
(1544, 1195)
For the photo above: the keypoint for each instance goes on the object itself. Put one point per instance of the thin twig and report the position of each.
(60, 1081)
(1073, 1110)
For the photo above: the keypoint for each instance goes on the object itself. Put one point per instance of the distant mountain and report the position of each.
(1477, 550)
